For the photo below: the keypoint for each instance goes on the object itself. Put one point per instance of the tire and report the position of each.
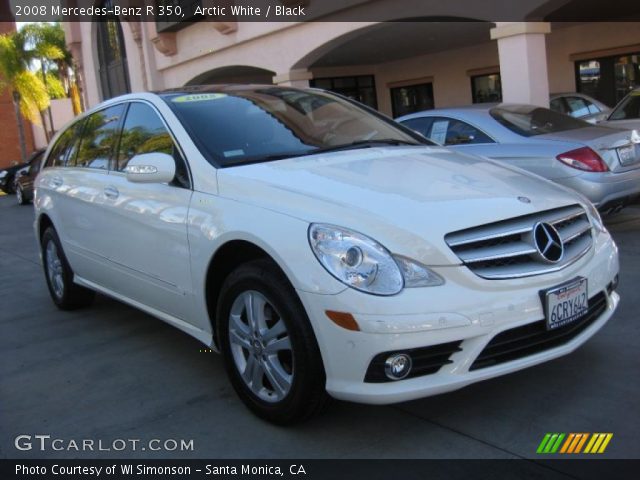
(20, 196)
(59, 276)
(280, 316)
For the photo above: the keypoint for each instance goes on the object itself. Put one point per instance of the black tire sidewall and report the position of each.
(307, 362)
(50, 235)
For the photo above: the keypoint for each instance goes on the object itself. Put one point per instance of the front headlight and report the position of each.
(595, 216)
(362, 263)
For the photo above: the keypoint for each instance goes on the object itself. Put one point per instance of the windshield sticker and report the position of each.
(439, 131)
(198, 97)
(233, 153)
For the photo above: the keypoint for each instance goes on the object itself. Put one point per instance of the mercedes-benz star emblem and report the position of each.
(548, 242)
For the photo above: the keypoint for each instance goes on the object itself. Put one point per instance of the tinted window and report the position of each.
(558, 105)
(253, 125)
(421, 125)
(59, 153)
(145, 132)
(578, 107)
(529, 121)
(628, 108)
(99, 137)
(412, 98)
(449, 131)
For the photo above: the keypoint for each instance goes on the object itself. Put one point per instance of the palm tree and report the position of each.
(30, 96)
(47, 46)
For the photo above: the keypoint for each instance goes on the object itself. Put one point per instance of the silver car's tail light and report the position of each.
(583, 159)
(524, 246)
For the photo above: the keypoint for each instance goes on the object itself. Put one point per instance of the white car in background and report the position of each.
(626, 114)
(322, 248)
(579, 105)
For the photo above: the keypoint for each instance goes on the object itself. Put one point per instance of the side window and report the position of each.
(421, 125)
(145, 132)
(577, 107)
(593, 108)
(449, 131)
(557, 104)
(58, 155)
(98, 139)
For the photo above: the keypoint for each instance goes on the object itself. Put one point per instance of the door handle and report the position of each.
(56, 182)
(111, 192)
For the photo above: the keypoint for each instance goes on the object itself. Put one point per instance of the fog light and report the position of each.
(397, 366)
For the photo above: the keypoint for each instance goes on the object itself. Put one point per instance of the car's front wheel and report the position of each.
(64, 293)
(268, 345)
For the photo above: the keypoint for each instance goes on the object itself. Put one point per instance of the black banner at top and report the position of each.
(175, 12)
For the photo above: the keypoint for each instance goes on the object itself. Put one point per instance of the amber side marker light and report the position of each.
(344, 320)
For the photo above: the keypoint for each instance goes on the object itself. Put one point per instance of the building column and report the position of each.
(523, 61)
(294, 78)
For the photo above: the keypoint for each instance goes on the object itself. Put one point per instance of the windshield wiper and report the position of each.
(334, 148)
(361, 144)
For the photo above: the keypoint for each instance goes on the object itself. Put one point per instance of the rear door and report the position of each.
(84, 179)
(146, 223)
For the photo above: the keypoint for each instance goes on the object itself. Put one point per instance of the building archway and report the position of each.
(112, 56)
(234, 74)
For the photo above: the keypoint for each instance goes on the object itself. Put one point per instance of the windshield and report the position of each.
(528, 121)
(628, 108)
(255, 125)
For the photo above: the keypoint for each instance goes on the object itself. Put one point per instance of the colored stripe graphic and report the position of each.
(598, 443)
(574, 443)
(550, 443)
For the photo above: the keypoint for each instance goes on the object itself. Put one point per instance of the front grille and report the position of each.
(425, 361)
(534, 337)
(506, 249)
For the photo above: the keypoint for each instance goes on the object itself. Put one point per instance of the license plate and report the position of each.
(566, 303)
(628, 154)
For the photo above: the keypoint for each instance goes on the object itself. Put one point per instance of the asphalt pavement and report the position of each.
(111, 372)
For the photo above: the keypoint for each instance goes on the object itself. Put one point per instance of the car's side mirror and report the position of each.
(152, 167)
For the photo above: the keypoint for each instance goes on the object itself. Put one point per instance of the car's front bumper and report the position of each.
(467, 309)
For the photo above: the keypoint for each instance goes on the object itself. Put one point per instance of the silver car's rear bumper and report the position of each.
(605, 188)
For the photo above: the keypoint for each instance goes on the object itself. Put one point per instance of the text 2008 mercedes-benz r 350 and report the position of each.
(325, 250)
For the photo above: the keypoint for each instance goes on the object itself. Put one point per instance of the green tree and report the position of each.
(46, 44)
(30, 96)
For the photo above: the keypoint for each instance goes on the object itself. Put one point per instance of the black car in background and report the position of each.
(8, 176)
(26, 176)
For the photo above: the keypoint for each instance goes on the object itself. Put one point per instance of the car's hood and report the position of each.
(407, 198)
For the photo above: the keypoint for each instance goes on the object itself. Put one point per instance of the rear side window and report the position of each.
(421, 125)
(529, 121)
(99, 138)
(60, 151)
(450, 131)
(145, 132)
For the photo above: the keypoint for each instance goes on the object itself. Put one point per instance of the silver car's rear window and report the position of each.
(528, 120)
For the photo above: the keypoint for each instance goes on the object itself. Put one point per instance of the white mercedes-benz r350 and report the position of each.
(323, 249)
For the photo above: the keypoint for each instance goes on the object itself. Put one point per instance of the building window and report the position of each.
(486, 88)
(608, 79)
(411, 98)
(112, 55)
(361, 88)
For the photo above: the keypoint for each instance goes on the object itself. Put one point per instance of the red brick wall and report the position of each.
(9, 143)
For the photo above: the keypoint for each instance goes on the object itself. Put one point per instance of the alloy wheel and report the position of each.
(261, 346)
(54, 269)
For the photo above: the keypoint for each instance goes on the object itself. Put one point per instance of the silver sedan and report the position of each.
(601, 163)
